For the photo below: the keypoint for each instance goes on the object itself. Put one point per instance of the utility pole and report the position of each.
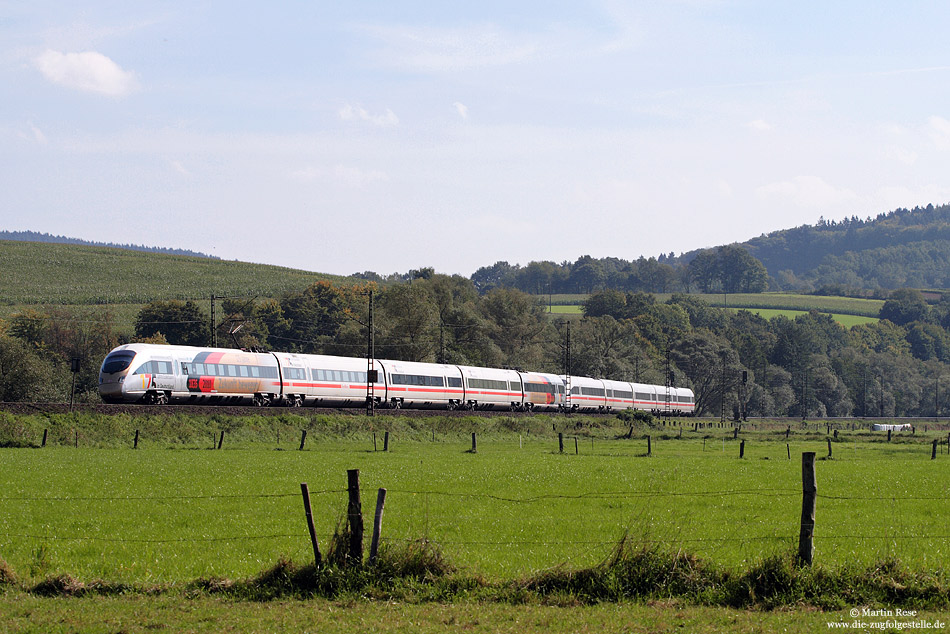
(214, 329)
(372, 375)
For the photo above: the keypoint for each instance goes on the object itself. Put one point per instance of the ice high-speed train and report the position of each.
(159, 374)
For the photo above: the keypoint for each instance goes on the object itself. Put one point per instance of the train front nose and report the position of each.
(112, 375)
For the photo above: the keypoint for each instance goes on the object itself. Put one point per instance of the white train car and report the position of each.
(683, 401)
(619, 395)
(492, 388)
(587, 394)
(421, 385)
(325, 381)
(542, 391)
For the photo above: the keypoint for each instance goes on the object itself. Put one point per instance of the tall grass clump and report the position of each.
(632, 571)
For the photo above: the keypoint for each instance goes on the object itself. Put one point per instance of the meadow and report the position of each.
(175, 509)
(66, 274)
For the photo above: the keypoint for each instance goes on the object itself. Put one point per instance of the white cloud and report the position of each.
(178, 167)
(807, 191)
(341, 175)
(35, 134)
(760, 125)
(462, 109)
(358, 113)
(940, 132)
(88, 71)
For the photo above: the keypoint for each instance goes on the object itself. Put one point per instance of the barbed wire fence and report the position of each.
(525, 532)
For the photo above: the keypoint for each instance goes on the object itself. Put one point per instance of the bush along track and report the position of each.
(418, 572)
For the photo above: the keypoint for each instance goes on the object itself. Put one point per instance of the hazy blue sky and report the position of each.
(351, 136)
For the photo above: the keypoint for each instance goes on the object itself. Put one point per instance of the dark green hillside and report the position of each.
(900, 248)
(44, 273)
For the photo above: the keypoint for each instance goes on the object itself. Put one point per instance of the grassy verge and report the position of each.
(140, 614)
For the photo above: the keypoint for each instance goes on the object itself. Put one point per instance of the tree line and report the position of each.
(736, 362)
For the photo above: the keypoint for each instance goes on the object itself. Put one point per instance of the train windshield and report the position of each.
(117, 362)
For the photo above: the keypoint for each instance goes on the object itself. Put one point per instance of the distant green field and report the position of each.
(65, 274)
(847, 311)
(767, 313)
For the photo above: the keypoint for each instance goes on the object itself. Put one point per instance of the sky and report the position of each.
(343, 137)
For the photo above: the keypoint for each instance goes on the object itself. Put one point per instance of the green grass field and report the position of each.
(175, 511)
(750, 301)
(767, 313)
(65, 274)
(162, 515)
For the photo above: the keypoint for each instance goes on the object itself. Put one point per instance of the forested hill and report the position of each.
(905, 247)
(33, 236)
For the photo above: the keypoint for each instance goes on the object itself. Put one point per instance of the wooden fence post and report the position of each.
(135, 443)
(576, 451)
(474, 450)
(374, 441)
(829, 447)
(741, 448)
(649, 446)
(354, 514)
(46, 431)
(378, 525)
(933, 454)
(305, 491)
(888, 435)
(386, 442)
(303, 438)
(788, 450)
(221, 440)
(560, 442)
(735, 433)
(806, 536)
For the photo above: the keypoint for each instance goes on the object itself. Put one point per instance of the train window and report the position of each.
(211, 369)
(117, 362)
(515, 387)
(255, 371)
(489, 384)
(232, 371)
(454, 382)
(184, 368)
(243, 370)
(592, 391)
(575, 390)
(622, 394)
(337, 376)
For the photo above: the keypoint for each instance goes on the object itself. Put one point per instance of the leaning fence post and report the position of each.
(303, 438)
(806, 536)
(355, 517)
(377, 525)
(221, 440)
(305, 491)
